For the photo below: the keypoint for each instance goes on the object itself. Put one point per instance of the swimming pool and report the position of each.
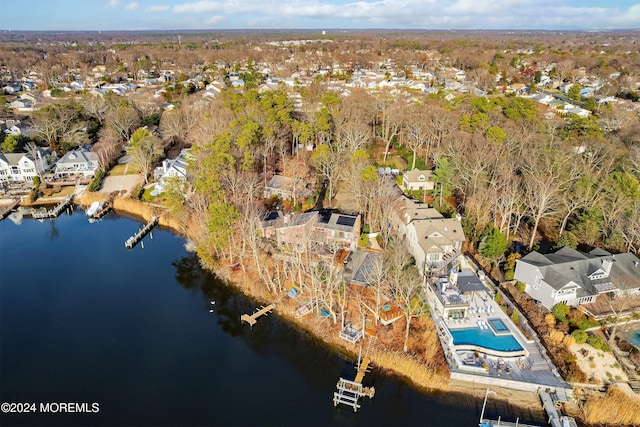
(485, 338)
(498, 326)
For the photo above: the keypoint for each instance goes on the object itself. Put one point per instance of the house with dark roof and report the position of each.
(337, 229)
(320, 228)
(294, 231)
(577, 278)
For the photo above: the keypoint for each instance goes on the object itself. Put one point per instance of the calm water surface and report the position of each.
(82, 319)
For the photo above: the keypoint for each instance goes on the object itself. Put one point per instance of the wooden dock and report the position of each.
(53, 213)
(7, 210)
(108, 205)
(133, 240)
(349, 392)
(251, 319)
(364, 365)
(554, 416)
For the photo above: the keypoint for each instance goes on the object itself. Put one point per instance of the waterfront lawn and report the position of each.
(119, 170)
(64, 192)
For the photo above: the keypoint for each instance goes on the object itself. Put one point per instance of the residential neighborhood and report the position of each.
(469, 207)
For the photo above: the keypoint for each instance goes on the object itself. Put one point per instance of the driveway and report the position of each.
(121, 183)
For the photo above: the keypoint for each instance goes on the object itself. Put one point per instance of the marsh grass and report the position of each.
(616, 407)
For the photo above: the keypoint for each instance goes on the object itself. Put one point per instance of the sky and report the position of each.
(64, 15)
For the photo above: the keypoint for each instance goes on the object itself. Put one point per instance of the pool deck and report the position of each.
(530, 372)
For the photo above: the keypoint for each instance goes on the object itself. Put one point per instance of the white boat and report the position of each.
(94, 208)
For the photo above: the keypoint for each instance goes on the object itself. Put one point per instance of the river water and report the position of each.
(84, 320)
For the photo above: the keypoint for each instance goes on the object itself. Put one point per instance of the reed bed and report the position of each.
(87, 198)
(408, 366)
(616, 407)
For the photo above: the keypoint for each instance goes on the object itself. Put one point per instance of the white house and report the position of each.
(21, 104)
(12, 89)
(21, 167)
(78, 163)
(17, 128)
(171, 168)
(577, 278)
(417, 179)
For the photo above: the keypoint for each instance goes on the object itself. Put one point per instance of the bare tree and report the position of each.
(543, 179)
(59, 123)
(620, 303)
(327, 163)
(95, 106)
(144, 149)
(390, 122)
(354, 136)
(406, 286)
(416, 134)
(107, 148)
(123, 120)
(36, 155)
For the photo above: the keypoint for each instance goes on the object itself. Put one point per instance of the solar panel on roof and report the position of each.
(346, 220)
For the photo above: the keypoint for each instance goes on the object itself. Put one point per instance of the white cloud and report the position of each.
(132, 6)
(113, 3)
(157, 8)
(214, 20)
(429, 14)
(204, 6)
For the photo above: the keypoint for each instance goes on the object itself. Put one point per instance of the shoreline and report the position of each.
(524, 401)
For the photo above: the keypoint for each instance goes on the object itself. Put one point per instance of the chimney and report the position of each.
(606, 265)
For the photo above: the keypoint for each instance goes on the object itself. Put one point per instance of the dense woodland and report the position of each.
(519, 176)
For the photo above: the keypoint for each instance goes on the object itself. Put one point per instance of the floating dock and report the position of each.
(53, 213)
(251, 319)
(349, 392)
(7, 210)
(133, 240)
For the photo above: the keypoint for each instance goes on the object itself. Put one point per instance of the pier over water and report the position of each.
(133, 240)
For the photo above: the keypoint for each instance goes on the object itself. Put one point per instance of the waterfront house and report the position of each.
(337, 230)
(417, 179)
(433, 240)
(577, 278)
(171, 168)
(21, 167)
(450, 297)
(79, 163)
(315, 228)
(294, 231)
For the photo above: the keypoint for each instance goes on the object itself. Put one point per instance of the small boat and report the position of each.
(94, 208)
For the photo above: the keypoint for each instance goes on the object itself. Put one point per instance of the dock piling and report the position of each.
(43, 214)
(133, 240)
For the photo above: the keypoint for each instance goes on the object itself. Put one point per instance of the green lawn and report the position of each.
(119, 170)
(65, 191)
